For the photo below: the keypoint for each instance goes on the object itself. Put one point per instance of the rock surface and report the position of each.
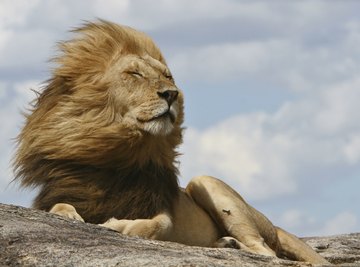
(34, 238)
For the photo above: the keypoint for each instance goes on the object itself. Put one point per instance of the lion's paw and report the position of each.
(116, 225)
(228, 242)
(67, 211)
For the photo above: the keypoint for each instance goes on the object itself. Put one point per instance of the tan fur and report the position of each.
(101, 144)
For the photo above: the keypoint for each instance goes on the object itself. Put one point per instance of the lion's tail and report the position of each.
(295, 249)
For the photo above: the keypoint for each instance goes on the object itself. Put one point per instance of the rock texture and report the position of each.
(35, 238)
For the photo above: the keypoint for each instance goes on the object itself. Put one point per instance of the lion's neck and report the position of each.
(149, 150)
(99, 194)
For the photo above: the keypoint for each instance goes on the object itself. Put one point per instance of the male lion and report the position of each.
(101, 144)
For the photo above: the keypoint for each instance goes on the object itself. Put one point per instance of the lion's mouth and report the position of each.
(168, 113)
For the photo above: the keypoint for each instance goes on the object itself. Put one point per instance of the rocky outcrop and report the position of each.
(34, 238)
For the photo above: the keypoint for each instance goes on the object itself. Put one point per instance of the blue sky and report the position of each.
(271, 90)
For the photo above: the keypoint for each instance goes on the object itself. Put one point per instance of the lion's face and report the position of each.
(111, 99)
(145, 94)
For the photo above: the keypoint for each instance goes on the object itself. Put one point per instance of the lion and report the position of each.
(101, 143)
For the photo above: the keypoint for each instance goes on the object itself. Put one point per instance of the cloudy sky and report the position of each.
(272, 91)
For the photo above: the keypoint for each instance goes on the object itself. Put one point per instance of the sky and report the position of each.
(272, 92)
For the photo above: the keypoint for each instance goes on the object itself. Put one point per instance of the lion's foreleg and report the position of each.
(231, 212)
(156, 228)
(66, 210)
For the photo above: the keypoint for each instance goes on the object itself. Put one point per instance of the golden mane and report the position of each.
(74, 149)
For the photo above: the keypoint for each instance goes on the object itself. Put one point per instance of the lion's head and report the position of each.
(111, 84)
(110, 106)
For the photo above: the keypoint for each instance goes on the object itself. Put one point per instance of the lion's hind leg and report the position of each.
(231, 212)
(295, 249)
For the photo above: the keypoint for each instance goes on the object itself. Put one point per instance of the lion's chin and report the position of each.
(161, 126)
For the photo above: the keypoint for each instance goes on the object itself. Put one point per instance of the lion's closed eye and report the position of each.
(136, 74)
(169, 77)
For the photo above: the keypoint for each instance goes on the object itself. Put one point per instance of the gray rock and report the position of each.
(34, 238)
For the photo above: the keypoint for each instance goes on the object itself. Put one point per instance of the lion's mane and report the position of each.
(75, 149)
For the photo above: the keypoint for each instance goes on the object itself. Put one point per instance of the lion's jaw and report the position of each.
(159, 126)
(146, 94)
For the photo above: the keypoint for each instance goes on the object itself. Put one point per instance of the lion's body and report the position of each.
(101, 143)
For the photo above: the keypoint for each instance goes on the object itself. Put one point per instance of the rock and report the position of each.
(35, 238)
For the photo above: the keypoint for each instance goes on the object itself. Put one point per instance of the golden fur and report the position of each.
(101, 144)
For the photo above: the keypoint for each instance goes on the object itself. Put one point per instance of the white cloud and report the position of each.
(243, 154)
(224, 61)
(221, 60)
(111, 9)
(283, 62)
(168, 13)
(5, 36)
(15, 12)
(352, 149)
(294, 219)
(299, 57)
(267, 155)
(14, 99)
(339, 108)
(342, 223)
(299, 221)
(165, 13)
(12, 13)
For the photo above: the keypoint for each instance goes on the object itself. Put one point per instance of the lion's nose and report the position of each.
(169, 95)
